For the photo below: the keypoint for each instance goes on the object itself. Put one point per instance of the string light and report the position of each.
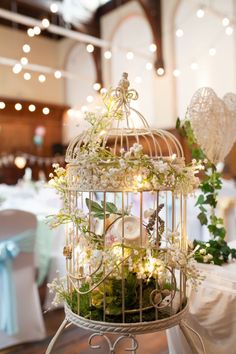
(107, 54)
(149, 66)
(24, 61)
(225, 21)
(17, 68)
(46, 111)
(20, 162)
(96, 86)
(37, 30)
(229, 30)
(179, 33)
(42, 78)
(194, 66)
(153, 47)
(31, 108)
(89, 99)
(200, 13)
(58, 74)
(18, 107)
(45, 23)
(30, 32)
(130, 55)
(26, 48)
(2, 105)
(90, 48)
(84, 109)
(176, 73)
(212, 51)
(54, 8)
(160, 71)
(103, 91)
(27, 76)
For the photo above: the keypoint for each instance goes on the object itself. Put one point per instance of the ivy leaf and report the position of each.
(211, 200)
(101, 215)
(110, 207)
(200, 200)
(95, 207)
(202, 218)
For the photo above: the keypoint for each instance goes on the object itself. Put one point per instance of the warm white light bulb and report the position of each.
(27, 76)
(96, 86)
(179, 33)
(30, 32)
(37, 30)
(200, 13)
(58, 74)
(54, 8)
(20, 161)
(103, 91)
(90, 48)
(160, 71)
(194, 66)
(229, 30)
(42, 78)
(107, 54)
(18, 106)
(24, 61)
(152, 47)
(45, 23)
(176, 72)
(17, 68)
(89, 99)
(130, 55)
(149, 66)
(2, 105)
(26, 48)
(31, 108)
(46, 111)
(84, 109)
(225, 21)
(212, 51)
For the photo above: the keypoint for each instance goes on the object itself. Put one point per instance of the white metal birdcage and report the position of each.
(126, 247)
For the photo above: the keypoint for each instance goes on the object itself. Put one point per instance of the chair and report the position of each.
(21, 317)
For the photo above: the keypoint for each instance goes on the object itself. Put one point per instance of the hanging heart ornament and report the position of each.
(213, 122)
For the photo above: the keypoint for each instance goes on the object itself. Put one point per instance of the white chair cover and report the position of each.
(30, 325)
(212, 314)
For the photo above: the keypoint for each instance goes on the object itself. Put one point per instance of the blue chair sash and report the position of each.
(9, 249)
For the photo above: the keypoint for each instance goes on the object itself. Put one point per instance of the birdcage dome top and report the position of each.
(120, 151)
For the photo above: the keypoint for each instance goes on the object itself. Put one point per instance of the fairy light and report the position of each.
(17, 68)
(89, 99)
(153, 47)
(130, 55)
(176, 73)
(96, 86)
(26, 48)
(24, 61)
(107, 54)
(103, 91)
(20, 161)
(54, 8)
(200, 13)
(45, 23)
(179, 33)
(229, 30)
(37, 30)
(194, 66)
(90, 48)
(18, 107)
(212, 52)
(57, 74)
(160, 71)
(149, 66)
(225, 22)
(27, 76)
(46, 111)
(2, 105)
(42, 78)
(30, 32)
(84, 109)
(31, 108)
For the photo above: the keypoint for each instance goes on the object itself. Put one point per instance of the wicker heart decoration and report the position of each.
(214, 122)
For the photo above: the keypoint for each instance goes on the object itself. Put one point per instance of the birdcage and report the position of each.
(126, 247)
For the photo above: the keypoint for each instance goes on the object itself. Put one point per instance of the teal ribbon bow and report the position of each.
(9, 249)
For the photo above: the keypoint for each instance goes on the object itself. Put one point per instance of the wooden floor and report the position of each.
(75, 341)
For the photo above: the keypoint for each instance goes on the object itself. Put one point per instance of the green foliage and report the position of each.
(103, 210)
(207, 203)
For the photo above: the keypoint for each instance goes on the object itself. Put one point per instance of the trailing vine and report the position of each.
(216, 250)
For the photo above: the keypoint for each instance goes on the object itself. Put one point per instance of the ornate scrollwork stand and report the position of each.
(124, 331)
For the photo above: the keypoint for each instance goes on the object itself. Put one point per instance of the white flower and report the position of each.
(202, 251)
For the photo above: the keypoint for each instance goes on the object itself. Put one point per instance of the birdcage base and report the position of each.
(123, 331)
